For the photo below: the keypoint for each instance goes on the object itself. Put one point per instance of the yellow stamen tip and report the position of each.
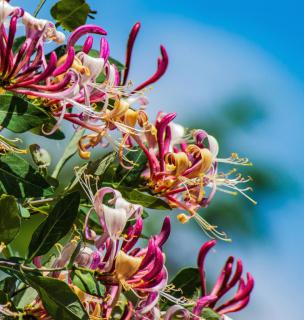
(182, 218)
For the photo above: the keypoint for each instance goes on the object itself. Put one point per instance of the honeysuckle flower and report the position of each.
(103, 105)
(141, 270)
(24, 71)
(225, 283)
(162, 62)
(113, 213)
(184, 169)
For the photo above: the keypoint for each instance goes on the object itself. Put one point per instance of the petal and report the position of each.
(115, 220)
(213, 146)
(177, 311)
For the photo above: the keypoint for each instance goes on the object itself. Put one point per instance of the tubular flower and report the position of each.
(113, 218)
(215, 299)
(185, 170)
(25, 70)
(225, 283)
(104, 102)
(118, 264)
(141, 270)
(81, 86)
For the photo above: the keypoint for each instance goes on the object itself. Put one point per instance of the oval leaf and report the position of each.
(188, 280)
(9, 219)
(19, 179)
(86, 282)
(58, 298)
(55, 226)
(71, 14)
(19, 115)
(146, 200)
(209, 314)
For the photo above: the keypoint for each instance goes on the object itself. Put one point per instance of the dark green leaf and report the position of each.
(57, 135)
(3, 297)
(60, 51)
(19, 179)
(86, 282)
(8, 285)
(9, 219)
(19, 115)
(58, 298)
(209, 314)
(110, 175)
(55, 226)
(13, 271)
(146, 200)
(188, 281)
(18, 42)
(71, 14)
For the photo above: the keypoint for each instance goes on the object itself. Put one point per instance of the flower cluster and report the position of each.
(183, 168)
(91, 90)
(116, 259)
(82, 86)
(225, 283)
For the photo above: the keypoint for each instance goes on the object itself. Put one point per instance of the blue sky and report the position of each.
(219, 49)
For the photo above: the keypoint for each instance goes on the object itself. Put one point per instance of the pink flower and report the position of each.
(215, 298)
(183, 168)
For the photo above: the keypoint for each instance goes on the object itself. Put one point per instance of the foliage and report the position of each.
(71, 14)
(74, 248)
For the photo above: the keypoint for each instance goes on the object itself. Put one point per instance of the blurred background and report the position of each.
(236, 70)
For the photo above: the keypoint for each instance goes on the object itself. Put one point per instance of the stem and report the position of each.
(39, 7)
(6, 263)
(41, 201)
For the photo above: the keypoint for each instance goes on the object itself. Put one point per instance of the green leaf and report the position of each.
(18, 42)
(86, 282)
(57, 135)
(209, 314)
(55, 226)
(24, 212)
(131, 177)
(70, 150)
(99, 166)
(120, 67)
(19, 179)
(58, 298)
(13, 271)
(71, 14)
(9, 219)
(8, 285)
(3, 297)
(146, 200)
(188, 281)
(19, 115)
